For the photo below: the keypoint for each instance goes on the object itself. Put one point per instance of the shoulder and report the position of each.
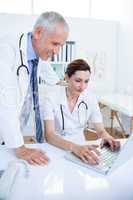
(9, 39)
(9, 44)
(54, 93)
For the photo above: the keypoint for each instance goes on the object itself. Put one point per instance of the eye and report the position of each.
(56, 44)
(78, 81)
(86, 81)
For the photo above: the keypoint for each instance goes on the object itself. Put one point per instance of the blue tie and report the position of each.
(34, 86)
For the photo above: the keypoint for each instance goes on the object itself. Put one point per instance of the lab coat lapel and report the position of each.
(24, 77)
(40, 86)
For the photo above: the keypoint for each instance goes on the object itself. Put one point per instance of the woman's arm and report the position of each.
(53, 138)
(88, 153)
(100, 130)
(106, 137)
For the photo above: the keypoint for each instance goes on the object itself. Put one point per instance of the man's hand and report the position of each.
(88, 153)
(32, 156)
(108, 140)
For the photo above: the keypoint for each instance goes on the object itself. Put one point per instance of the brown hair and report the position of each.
(77, 65)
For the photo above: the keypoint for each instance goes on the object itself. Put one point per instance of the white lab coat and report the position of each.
(13, 89)
(74, 122)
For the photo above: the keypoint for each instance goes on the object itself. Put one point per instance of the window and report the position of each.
(103, 9)
(15, 6)
(67, 8)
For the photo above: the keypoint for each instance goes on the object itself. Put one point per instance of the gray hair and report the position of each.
(50, 20)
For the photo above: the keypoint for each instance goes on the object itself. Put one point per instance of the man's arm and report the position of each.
(9, 114)
(33, 156)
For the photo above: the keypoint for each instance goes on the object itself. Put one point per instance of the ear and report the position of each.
(38, 32)
(66, 78)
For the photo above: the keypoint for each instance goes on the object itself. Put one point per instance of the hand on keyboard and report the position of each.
(113, 145)
(88, 153)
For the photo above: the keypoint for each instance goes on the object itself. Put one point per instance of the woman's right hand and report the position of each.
(88, 153)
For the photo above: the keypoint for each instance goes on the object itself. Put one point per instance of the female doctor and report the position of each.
(67, 111)
(16, 77)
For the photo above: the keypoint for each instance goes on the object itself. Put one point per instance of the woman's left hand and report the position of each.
(108, 140)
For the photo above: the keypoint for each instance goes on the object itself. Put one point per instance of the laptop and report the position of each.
(109, 160)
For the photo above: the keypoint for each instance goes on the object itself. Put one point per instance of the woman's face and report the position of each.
(78, 82)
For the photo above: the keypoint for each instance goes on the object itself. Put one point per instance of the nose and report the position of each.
(56, 50)
(82, 86)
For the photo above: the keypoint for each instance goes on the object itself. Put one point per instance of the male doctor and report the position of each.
(21, 60)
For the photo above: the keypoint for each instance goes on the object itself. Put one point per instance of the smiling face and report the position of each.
(47, 43)
(78, 82)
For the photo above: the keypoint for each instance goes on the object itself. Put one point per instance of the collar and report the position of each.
(31, 55)
(63, 97)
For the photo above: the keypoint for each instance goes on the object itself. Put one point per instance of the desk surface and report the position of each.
(119, 102)
(63, 180)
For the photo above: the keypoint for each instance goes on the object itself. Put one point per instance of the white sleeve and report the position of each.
(9, 120)
(96, 116)
(10, 129)
(48, 110)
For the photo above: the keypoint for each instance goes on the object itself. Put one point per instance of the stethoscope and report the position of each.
(81, 104)
(21, 59)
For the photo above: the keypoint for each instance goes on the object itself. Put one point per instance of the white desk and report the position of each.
(118, 103)
(63, 180)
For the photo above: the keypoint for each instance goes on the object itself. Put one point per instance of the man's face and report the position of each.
(47, 43)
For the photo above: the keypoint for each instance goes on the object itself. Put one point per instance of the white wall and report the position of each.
(96, 40)
(125, 48)
(121, 10)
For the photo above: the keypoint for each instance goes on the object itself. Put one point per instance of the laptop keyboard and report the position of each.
(107, 158)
